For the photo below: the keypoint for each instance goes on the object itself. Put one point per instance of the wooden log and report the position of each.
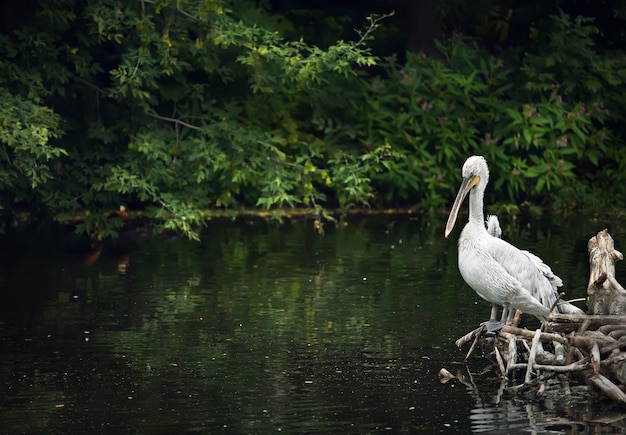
(583, 327)
(618, 334)
(605, 385)
(545, 336)
(560, 353)
(610, 347)
(512, 351)
(604, 294)
(615, 367)
(609, 328)
(614, 359)
(593, 318)
(562, 369)
(590, 338)
(500, 361)
(469, 337)
(533, 353)
(618, 370)
(595, 358)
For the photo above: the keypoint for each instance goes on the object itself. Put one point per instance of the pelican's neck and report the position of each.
(476, 215)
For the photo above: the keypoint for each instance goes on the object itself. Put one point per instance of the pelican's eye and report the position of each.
(474, 181)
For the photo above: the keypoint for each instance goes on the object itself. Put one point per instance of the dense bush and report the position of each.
(172, 106)
(176, 108)
(549, 122)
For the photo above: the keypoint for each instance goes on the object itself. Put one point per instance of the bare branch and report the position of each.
(174, 120)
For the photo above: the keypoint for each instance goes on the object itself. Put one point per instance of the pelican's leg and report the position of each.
(494, 313)
(493, 325)
(511, 316)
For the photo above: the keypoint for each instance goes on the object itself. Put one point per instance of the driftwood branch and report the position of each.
(605, 294)
(591, 348)
(545, 336)
(604, 384)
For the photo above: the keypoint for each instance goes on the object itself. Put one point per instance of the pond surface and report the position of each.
(264, 328)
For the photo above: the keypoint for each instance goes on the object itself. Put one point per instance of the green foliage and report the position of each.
(227, 142)
(176, 108)
(26, 130)
(435, 113)
(582, 90)
(544, 134)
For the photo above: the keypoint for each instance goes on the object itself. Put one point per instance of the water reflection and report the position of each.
(561, 408)
(520, 417)
(259, 328)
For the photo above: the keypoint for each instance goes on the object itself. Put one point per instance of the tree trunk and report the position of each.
(422, 26)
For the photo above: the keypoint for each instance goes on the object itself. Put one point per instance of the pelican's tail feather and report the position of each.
(555, 281)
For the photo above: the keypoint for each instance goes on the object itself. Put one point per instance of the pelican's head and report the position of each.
(493, 226)
(475, 172)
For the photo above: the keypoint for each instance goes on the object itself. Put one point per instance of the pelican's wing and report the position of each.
(493, 228)
(554, 280)
(535, 275)
(525, 268)
(501, 273)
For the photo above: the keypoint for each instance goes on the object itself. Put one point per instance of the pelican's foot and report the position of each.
(492, 325)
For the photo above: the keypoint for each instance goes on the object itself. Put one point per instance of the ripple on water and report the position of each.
(257, 329)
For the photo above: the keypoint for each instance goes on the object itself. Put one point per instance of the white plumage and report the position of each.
(498, 272)
(493, 226)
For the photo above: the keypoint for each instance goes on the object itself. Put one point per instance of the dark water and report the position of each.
(267, 328)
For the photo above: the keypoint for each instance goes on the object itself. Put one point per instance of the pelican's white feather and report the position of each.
(500, 273)
(493, 226)
(494, 229)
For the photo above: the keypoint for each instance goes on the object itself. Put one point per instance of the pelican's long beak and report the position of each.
(466, 186)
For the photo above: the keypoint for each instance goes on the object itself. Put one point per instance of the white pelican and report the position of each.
(499, 272)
